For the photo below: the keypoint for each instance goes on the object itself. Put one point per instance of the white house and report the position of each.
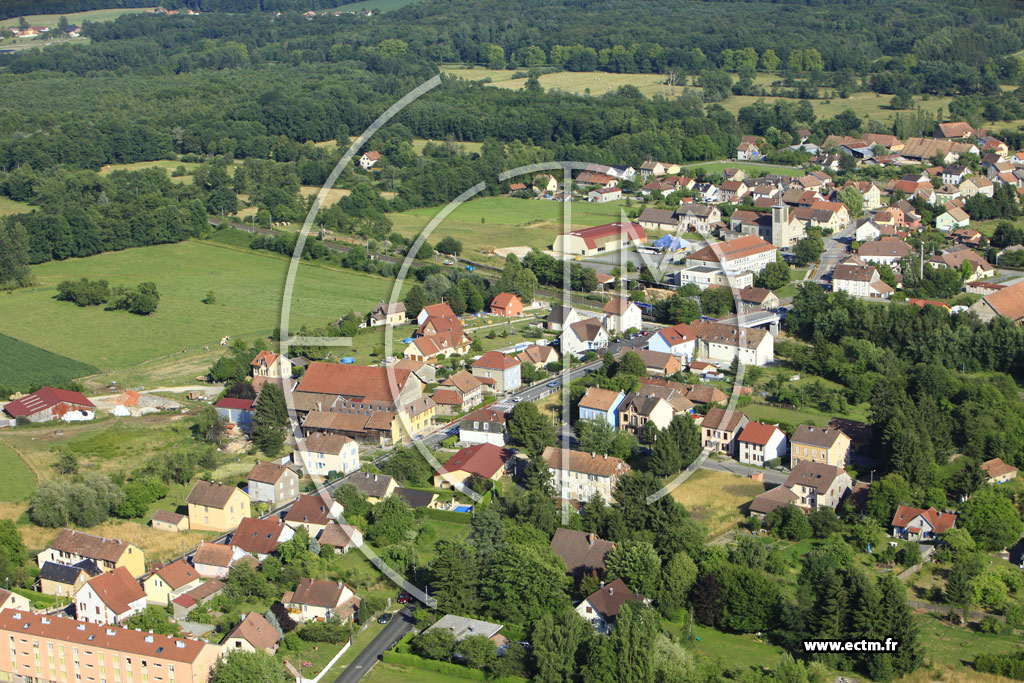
(585, 335)
(622, 314)
(483, 426)
(326, 453)
(601, 607)
(679, 340)
(604, 194)
(749, 252)
(717, 342)
(759, 443)
(578, 476)
(561, 317)
(862, 281)
(369, 159)
(867, 231)
(707, 276)
(109, 598)
(319, 599)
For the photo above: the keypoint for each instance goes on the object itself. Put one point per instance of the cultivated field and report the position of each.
(494, 222)
(714, 168)
(578, 82)
(717, 499)
(74, 18)
(36, 366)
(248, 286)
(379, 5)
(333, 194)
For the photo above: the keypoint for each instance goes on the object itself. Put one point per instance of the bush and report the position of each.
(995, 625)
(331, 631)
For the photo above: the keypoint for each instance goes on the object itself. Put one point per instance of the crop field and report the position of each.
(578, 82)
(248, 286)
(494, 222)
(36, 366)
(380, 5)
(74, 18)
(715, 168)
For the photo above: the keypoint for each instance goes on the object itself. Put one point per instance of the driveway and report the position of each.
(395, 630)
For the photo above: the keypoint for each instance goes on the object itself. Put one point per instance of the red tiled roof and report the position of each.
(235, 403)
(368, 383)
(747, 245)
(758, 433)
(259, 536)
(586, 463)
(941, 522)
(177, 574)
(117, 589)
(634, 231)
(495, 360)
(43, 399)
(267, 472)
(310, 510)
(484, 460)
(504, 300)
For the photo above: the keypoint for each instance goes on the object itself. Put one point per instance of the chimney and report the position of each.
(81, 627)
(590, 539)
(111, 632)
(611, 590)
(149, 639)
(179, 644)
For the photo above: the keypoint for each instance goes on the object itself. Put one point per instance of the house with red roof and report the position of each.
(759, 443)
(236, 411)
(507, 305)
(484, 460)
(499, 372)
(918, 524)
(679, 340)
(109, 598)
(270, 364)
(48, 404)
(369, 159)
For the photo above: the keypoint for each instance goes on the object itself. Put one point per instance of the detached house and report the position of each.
(679, 340)
(109, 598)
(721, 343)
(369, 159)
(748, 151)
(506, 305)
(269, 364)
(376, 487)
(758, 443)
(578, 475)
(810, 486)
(321, 454)
(998, 472)
(216, 507)
(601, 405)
(458, 393)
(917, 524)
(499, 372)
(622, 314)
(320, 600)
(602, 606)
(253, 634)
(341, 537)
(483, 460)
(390, 313)
(314, 512)
(272, 484)
(636, 410)
(720, 430)
(585, 335)
(863, 281)
(214, 560)
(582, 552)
(483, 426)
(814, 444)
(561, 317)
(260, 537)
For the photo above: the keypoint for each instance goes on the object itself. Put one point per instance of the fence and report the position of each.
(327, 666)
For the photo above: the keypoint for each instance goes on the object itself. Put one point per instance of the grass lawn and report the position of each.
(8, 206)
(165, 164)
(471, 147)
(380, 5)
(950, 646)
(578, 82)
(717, 499)
(389, 673)
(488, 223)
(248, 286)
(19, 480)
(737, 651)
(774, 414)
(74, 18)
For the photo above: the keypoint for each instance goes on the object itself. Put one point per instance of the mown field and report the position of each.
(36, 366)
(578, 82)
(495, 222)
(167, 165)
(380, 5)
(75, 18)
(19, 479)
(714, 168)
(248, 286)
(9, 206)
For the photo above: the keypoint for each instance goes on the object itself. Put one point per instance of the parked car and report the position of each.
(384, 618)
(517, 399)
(553, 383)
(403, 598)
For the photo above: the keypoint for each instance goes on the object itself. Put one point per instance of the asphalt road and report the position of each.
(393, 632)
(733, 467)
(835, 251)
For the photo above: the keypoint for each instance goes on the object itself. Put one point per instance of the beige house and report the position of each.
(170, 581)
(998, 472)
(65, 579)
(376, 487)
(269, 364)
(252, 634)
(636, 410)
(722, 343)
(621, 315)
(721, 429)
(9, 600)
(341, 537)
(165, 520)
(578, 475)
(810, 486)
(216, 507)
(499, 372)
(320, 455)
(214, 560)
(125, 654)
(272, 484)
(320, 600)
(391, 313)
(817, 445)
(484, 460)
(71, 547)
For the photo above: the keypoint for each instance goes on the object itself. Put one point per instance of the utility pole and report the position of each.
(920, 273)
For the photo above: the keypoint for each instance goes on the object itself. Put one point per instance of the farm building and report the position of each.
(236, 411)
(600, 239)
(52, 404)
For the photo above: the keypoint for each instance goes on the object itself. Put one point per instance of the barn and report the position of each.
(52, 404)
